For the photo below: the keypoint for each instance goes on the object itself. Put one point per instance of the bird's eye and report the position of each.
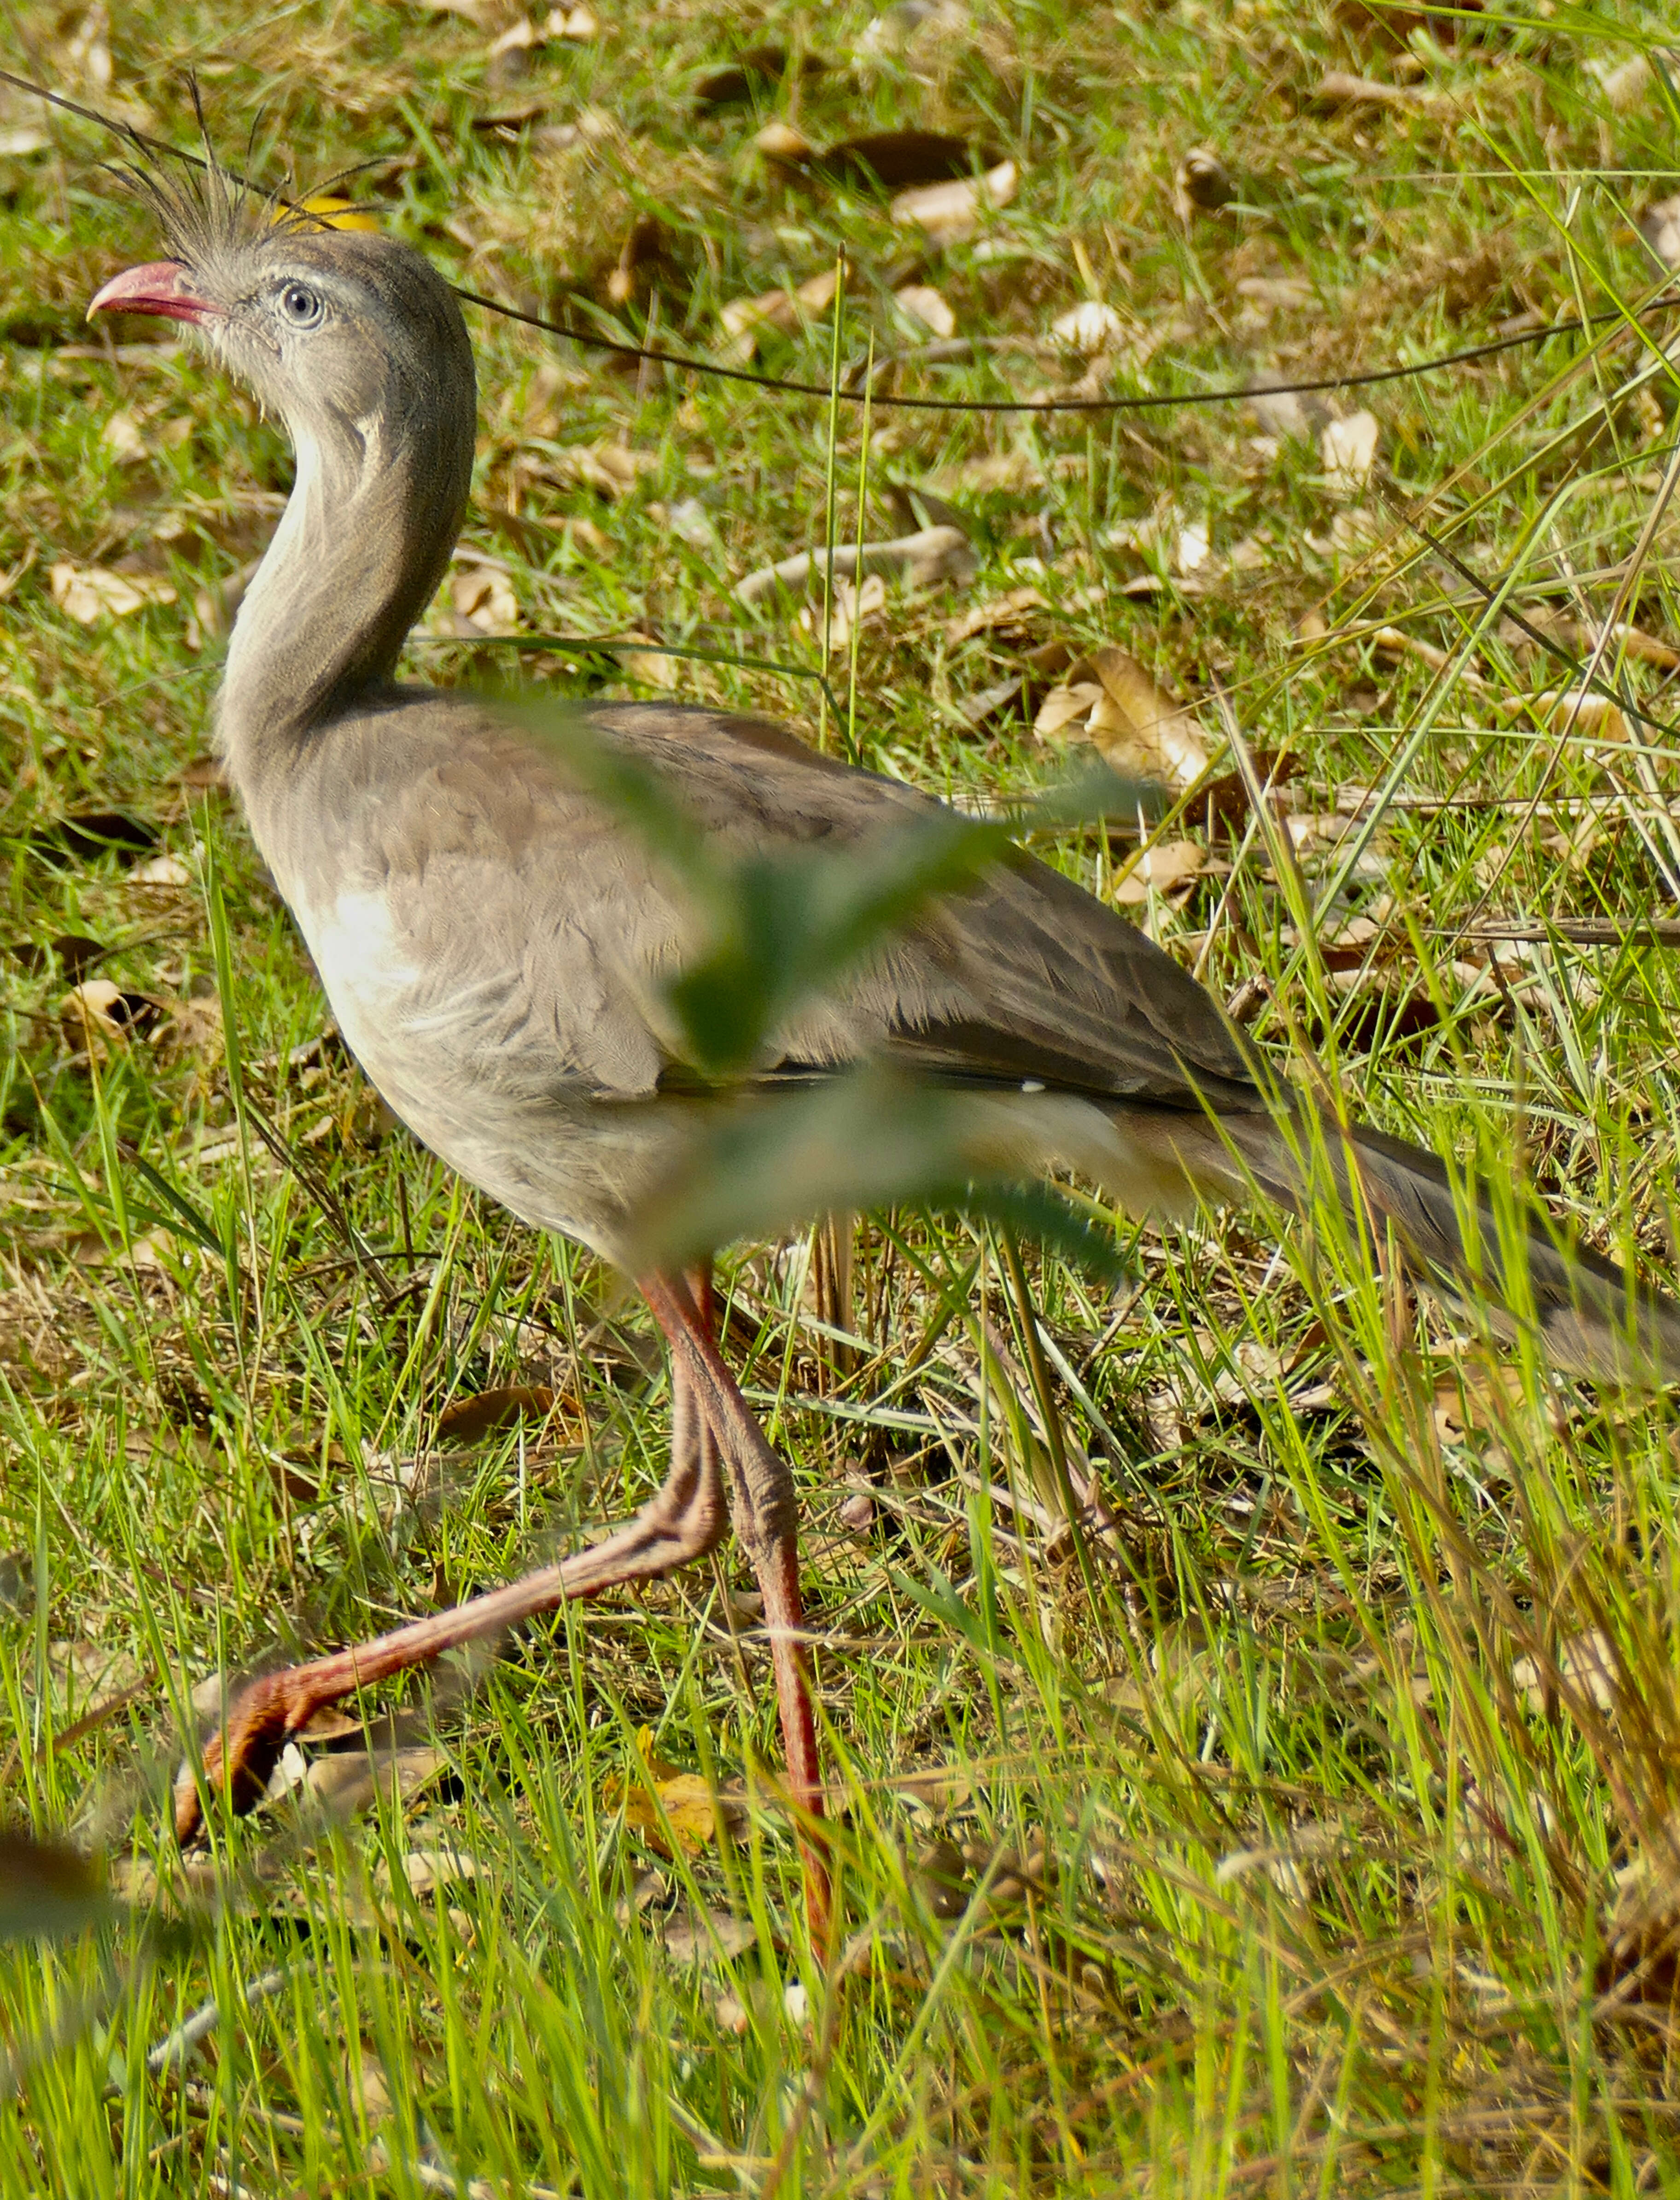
(300, 305)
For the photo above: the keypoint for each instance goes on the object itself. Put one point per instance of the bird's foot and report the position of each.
(240, 1756)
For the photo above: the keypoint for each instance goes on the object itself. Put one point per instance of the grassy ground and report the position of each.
(1315, 1832)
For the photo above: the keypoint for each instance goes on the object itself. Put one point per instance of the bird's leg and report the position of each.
(767, 1520)
(681, 1522)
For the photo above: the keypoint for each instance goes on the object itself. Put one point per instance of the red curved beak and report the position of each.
(163, 287)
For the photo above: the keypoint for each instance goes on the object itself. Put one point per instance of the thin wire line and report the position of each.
(612, 645)
(1231, 395)
(787, 386)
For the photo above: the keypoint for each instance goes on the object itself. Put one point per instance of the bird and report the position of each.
(497, 944)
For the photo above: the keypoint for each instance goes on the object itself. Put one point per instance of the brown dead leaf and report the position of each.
(367, 2085)
(921, 560)
(1068, 706)
(216, 603)
(1580, 711)
(1089, 329)
(1111, 701)
(1273, 292)
(687, 1814)
(331, 1722)
(746, 320)
(467, 1420)
(645, 244)
(1166, 531)
(1025, 689)
(787, 148)
(939, 1875)
(1586, 1663)
(897, 159)
(483, 601)
(611, 470)
(933, 1786)
(1162, 866)
(1571, 840)
(1376, 26)
(510, 121)
(753, 70)
(17, 1568)
(158, 1252)
(1182, 1668)
(348, 1781)
(88, 1672)
(74, 951)
(921, 302)
(1380, 1002)
(1659, 226)
(1283, 1862)
(1282, 412)
(90, 834)
(88, 593)
(707, 1935)
(648, 1890)
(1013, 1875)
(1629, 84)
(1339, 92)
(1321, 831)
(1394, 641)
(652, 668)
(1633, 641)
(918, 30)
(1200, 184)
(849, 609)
(172, 872)
(1224, 802)
(1640, 1966)
(999, 615)
(1348, 448)
(669, 1806)
(97, 1014)
(85, 55)
(47, 1891)
(508, 60)
(442, 1863)
(1477, 1398)
(856, 1513)
(949, 213)
(1014, 472)
(125, 437)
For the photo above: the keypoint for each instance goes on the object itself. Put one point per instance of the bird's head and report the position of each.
(357, 344)
(335, 330)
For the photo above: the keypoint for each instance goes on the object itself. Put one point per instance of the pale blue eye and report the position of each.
(300, 305)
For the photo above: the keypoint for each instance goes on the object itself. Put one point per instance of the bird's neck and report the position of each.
(365, 537)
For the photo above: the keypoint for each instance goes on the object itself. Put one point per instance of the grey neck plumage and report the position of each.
(364, 541)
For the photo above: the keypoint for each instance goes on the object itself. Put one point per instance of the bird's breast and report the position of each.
(459, 1047)
(368, 969)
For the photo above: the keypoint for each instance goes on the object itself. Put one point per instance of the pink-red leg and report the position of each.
(684, 1521)
(767, 1520)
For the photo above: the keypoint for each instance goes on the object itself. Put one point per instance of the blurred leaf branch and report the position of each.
(780, 925)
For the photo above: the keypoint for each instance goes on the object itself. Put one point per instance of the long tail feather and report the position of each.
(1591, 1317)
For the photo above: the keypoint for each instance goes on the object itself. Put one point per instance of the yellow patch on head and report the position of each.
(330, 211)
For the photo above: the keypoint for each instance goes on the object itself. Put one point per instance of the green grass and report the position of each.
(1325, 1841)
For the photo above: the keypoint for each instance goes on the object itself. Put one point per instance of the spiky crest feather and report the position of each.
(202, 208)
